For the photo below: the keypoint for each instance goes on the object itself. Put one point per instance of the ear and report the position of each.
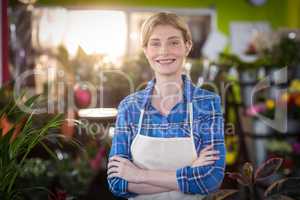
(188, 45)
(145, 51)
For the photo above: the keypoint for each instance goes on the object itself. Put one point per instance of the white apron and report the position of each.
(164, 154)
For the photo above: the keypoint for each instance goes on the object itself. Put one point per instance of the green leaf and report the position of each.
(268, 168)
(14, 152)
(288, 186)
(238, 177)
(221, 195)
(53, 155)
(5, 154)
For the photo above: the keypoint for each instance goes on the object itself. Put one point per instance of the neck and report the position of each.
(166, 86)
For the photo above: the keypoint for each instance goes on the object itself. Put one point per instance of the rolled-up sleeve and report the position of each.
(120, 147)
(206, 179)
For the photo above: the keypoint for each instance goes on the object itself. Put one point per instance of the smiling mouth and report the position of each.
(165, 61)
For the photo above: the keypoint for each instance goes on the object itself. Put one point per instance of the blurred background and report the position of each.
(83, 57)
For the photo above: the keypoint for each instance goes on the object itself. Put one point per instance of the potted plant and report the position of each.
(251, 181)
(15, 147)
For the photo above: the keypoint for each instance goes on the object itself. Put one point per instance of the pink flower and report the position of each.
(254, 109)
(296, 148)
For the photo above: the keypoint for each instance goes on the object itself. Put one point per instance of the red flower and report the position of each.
(58, 195)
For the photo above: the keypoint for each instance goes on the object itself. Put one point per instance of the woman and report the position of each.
(169, 141)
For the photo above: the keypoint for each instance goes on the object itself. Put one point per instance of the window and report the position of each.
(95, 31)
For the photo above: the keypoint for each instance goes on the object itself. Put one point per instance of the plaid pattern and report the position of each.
(207, 126)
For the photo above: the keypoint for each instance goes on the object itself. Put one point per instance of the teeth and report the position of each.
(166, 61)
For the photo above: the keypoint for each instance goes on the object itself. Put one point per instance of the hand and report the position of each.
(207, 156)
(123, 168)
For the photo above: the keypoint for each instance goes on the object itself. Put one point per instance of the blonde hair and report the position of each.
(164, 18)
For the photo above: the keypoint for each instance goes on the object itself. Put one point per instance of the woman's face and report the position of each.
(166, 50)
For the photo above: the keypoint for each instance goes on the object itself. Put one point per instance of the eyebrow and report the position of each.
(173, 37)
(170, 38)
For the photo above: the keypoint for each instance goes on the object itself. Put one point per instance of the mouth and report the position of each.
(165, 61)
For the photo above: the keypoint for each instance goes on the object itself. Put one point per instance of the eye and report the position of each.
(154, 44)
(175, 43)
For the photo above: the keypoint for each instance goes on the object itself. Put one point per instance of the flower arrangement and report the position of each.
(279, 51)
(291, 99)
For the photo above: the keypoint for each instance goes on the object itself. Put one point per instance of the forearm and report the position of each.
(165, 179)
(142, 188)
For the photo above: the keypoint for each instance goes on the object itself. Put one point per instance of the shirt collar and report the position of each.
(187, 93)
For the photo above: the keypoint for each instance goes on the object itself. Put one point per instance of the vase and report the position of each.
(82, 96)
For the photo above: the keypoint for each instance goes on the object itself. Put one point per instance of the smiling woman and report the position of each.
(166, 52)
(168, 142)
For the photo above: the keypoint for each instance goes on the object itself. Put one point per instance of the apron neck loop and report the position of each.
(190, 111)
(212, 124)
(141, 120)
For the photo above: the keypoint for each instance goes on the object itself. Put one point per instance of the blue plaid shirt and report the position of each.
(207, 126)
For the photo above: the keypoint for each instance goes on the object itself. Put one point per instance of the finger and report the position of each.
(112, 170)
(115, 158)
(118, 158)
(115, 174)
(203, 163)
(211, 158)
(208, 163)
(207, 148)
(121, 159)
(213, 152)
(113, 164)
(210, 153)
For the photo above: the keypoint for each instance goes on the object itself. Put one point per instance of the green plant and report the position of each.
(15, 147)
(285, 53)
(69, 175)
(249, 179)
(230, 60)
(81, 66)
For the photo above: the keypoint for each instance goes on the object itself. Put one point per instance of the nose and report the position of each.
(163, 49)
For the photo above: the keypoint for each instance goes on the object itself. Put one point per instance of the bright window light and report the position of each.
(96, 31)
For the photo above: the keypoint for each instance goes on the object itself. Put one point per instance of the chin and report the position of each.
(171, 70)
(168, 72)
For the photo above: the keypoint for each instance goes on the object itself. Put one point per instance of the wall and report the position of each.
(274, 11)
(293, 14)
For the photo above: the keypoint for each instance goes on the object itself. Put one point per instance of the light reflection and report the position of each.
(96, 31)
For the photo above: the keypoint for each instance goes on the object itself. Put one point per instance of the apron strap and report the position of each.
(140, 121)
(190, 110)
(212, 124)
